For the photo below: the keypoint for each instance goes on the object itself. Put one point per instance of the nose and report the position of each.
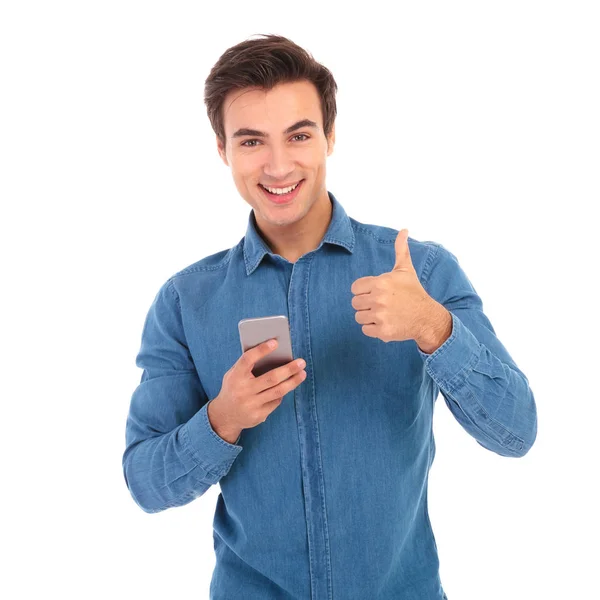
(279, 164)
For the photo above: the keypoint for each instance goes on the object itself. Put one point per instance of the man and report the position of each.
(323, 466)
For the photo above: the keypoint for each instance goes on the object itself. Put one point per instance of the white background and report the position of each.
(473, 124)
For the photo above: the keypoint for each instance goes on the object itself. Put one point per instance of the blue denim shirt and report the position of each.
(327, 499)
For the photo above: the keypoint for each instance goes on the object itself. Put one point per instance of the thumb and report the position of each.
(403, 259)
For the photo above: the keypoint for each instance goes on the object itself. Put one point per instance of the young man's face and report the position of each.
(274, 157)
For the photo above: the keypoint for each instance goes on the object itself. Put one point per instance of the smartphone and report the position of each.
(258, 330)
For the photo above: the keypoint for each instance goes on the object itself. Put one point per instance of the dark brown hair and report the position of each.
(264, 63)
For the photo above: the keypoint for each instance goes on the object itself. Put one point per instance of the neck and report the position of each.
(294, 240)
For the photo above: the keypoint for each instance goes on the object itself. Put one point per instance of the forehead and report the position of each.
(271, 110)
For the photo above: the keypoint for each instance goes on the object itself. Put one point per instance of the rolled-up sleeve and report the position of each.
(483, 387)
(172, 455)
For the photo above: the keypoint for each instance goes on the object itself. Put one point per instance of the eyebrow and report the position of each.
(255, 132)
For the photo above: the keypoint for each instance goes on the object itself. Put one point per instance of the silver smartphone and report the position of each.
(258, 330)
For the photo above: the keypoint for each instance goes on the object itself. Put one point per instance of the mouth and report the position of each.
(282, 198)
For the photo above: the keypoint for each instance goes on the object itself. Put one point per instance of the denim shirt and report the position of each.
(327, 499)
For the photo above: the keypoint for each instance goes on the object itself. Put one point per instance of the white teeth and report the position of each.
(281, 191)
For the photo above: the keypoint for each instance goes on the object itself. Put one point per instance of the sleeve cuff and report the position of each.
(207, 448)
(450, 365)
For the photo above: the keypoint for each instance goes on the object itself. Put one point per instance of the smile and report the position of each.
(282, 195)
(280, 191)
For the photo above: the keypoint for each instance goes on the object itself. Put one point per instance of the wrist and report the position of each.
(437, 330)
(219, 425)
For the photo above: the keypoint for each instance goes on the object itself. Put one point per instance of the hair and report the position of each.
(265, 63)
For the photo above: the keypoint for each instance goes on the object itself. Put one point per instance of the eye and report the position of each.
(247, 141)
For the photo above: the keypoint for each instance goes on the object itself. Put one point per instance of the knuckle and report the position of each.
(282, 389)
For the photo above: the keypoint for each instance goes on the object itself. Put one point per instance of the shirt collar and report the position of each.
(339, 232)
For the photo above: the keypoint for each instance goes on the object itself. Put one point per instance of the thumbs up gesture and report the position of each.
(395, 307)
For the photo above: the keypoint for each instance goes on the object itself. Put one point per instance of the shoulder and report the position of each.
(212, 262)
(202, 275)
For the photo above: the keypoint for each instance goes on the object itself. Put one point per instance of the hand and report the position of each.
(245, 400)
(394, 306)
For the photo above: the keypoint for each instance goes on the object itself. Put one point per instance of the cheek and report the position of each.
(245, 166)
(316, 157)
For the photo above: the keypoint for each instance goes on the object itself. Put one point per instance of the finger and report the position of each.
(361, 302)
(276, 376)
(370, 330)
(403, 259)
(282, 388)
(364, 317)
(362, 285)
(253, 355)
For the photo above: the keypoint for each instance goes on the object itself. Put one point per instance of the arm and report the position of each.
(172, 454)
(483, 387)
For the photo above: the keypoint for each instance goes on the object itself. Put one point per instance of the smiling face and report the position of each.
(275, 138)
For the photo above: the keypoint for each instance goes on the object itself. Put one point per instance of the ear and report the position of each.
(221, 150)
(331, 140)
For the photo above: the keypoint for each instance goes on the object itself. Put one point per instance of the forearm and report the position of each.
(483, 387)
(174, 468)
(497, 406)
(160, 473)
(489, 396)
(172, 455)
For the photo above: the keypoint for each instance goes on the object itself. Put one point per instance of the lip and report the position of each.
(281, 187)
(285, 198)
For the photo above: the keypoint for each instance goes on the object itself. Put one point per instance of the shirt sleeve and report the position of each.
(172, 455)
(483, 387)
